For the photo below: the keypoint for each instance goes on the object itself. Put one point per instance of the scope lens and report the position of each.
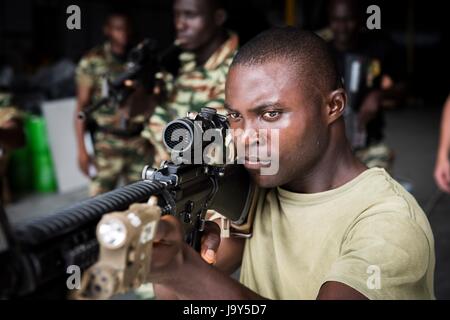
(178, 135)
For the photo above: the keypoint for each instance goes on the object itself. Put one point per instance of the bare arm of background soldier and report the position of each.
(390, 94)
(393, 92)
(83, 98)
(370, 107)
(442, 168)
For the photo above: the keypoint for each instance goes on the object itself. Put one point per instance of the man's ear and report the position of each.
(336, 104)
(220, 16)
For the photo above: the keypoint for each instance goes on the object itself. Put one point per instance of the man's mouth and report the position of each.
(182, 40)
(256, 163)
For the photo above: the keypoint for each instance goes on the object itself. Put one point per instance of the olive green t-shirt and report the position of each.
(369, 234)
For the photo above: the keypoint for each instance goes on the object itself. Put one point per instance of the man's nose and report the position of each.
(247, 136)
(180, 24)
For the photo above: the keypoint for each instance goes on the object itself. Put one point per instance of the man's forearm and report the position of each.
(444, 144)
(197, 280)
(79, 131)
(84, 96)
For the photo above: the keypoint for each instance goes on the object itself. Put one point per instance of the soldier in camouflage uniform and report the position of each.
(11, 137)
(208, 53)
(119, 149)
(208, 50)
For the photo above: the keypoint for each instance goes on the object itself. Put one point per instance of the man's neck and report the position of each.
(117, 49)
(337, 167)
(205, 52)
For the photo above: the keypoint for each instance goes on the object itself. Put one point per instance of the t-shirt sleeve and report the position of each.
(384, 256)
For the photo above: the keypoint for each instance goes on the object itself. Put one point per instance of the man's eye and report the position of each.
(189, 15)
(271, 115)
(233, 115)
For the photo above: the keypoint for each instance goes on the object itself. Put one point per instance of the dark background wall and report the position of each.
(33, 32)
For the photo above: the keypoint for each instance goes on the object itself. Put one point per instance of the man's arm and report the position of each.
(180, 273)
(385, 94)
(226, 256)
(442, 169)
(393, 92)
(370, 107)
(196, 279)
(333, 290)
(202, 281)
(84, 94)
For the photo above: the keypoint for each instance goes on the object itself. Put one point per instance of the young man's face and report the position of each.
(268, 96)
(343, 22)
(118, 30)
(194, 23)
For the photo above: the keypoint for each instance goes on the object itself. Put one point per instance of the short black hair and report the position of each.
(308, 53)
(354, 5)
(116, 11)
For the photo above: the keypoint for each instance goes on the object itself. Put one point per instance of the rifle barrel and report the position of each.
(41, 230)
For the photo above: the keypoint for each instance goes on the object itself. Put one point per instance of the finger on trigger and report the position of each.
(210, 242)
(209, 256)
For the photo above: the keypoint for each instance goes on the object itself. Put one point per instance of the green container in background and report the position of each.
(43, 176)
(36, 134)
(31, 167)
(43, 173)
(20, 173)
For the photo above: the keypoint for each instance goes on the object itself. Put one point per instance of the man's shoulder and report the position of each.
(7, 109)
(392, 229)
(8, 114)
(94, 55)
(380, 189)
(373, 195)
(5, 99)
(388, 202)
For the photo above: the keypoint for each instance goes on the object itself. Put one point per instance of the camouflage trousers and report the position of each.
(119, 158)
(376, 155)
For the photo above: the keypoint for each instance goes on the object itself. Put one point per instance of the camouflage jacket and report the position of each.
(195, 87)
(93, 70)
(7, 111)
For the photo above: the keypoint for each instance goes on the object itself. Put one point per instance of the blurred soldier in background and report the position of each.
(12, 136)
(442, 168)
(363, 66)
(208, 50)
(119, 149)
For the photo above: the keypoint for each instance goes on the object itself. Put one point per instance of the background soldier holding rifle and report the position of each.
(119, 148)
